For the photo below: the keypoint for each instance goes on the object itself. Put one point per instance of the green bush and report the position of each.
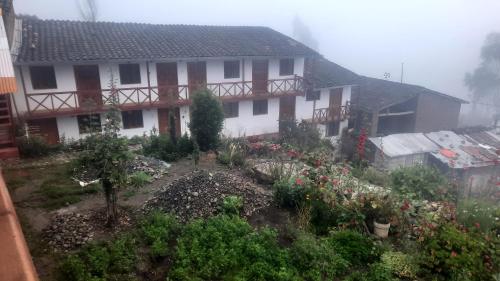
(226, 248)
(354, 247)
(400, 264)
(36, 146)
(162, 147)
(303, 135)
(422, 183)
(140, 179)
(449, 253)
(232, 205)
(315, 259)
(232, 152)
(373, 176)
(102, 261)
(158, 229)
(477, 213)
(376, 272)
(207, 119)
(185, 145)
(288, 194)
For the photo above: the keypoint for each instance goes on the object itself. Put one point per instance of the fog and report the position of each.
(437, 40)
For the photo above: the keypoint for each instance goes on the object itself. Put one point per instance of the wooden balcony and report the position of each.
(329, 114)
(80, 102)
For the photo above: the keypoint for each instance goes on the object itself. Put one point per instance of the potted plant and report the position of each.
(383, 212)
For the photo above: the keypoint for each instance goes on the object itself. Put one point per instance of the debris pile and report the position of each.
(69, 231)
(154, 167)
(200, 194)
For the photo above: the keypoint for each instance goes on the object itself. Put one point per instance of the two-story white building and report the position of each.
(65, 71)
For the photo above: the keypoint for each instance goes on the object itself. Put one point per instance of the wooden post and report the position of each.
(149, 82)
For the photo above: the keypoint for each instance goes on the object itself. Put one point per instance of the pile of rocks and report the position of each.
(69, 231)
(200, 194)
(151, 166)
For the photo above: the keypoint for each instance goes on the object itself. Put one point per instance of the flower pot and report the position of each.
(381, 229)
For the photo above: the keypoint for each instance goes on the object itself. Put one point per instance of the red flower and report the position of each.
(323, 178)
(317, 163)
(299, 181)
(405, 206)
(336, 182)
(477, 225)
(453, 254)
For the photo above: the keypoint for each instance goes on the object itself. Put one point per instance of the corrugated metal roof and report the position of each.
(404, 144)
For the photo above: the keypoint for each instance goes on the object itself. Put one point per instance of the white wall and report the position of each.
(185, 119)
(247, 124)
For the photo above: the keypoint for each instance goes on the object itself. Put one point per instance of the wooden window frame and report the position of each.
(87, 126)
(260, 107)
(130, 73)
(232, 69)
(333, 125)
(287, 66)
(312, 95)
(43, 77)
(231, 109)
(132, 119)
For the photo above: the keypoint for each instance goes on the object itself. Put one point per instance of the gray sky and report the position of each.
(438, 40)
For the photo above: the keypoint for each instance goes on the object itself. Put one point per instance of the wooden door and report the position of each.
(335, 103)
(45, 128)
(197, 75)
(167, 121)
(166, 75)
(88, 85)
(287, 112)
(260, 69)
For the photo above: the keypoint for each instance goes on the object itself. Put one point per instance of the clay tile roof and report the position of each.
(327, 74)
(77, 41)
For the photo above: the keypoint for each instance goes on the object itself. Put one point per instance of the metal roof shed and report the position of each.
(401, 150)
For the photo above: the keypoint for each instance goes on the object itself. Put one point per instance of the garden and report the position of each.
(248, 208)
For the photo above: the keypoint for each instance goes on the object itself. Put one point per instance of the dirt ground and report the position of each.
(25, 178)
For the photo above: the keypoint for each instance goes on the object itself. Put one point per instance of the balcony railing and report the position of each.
(53, 103)
(329, 114)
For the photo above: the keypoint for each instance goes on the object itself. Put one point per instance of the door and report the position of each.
(44, 128)
(166, 75)
(169, 123)
(335, 104)
(88, 85)
(197, 75)
(287, 112)
(260, 70)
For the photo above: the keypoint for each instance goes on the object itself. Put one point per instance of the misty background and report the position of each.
(438, 41)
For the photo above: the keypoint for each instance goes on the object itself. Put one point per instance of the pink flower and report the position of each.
(477, 225)
(336, 182)
(345, 171)
(323, 178)
(317, 163)
(299, 181)
(453, 254)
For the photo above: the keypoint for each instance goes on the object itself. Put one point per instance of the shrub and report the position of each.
(102, 261)
(452, 254)
(289, 194)
(185, 145)
(161, 147)
(232, 205)
(315, 259)
(207, 120)
(354, 247)
(226, 248)
(36, 146)
(376, 272)
(373, 176)
(232, 153)
(476, 213)
(400, 264)
(158, 229)
(422, 183)
(140, 179)
(303, 135)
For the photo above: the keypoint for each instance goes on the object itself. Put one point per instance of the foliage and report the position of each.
(450, 253)
(376, 272)
(207, 120)
(162, 147)
(354, 247)
(400, 264)
(421, 182)
(103, 261)
(303, 135)
(139, 179)
(35, 146)
(477, 213)
(315, 259)
(226, 248)
(158, 229)
(232, 152)
(291, 193)
(373, 176)
(232, 205)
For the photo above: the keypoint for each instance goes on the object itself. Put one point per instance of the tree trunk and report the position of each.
(111, 208)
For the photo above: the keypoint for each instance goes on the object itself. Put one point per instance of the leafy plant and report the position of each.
(139, 179)
(354, 247)
(232, 205)
(232, 153)
(303, 135)
(423, 183)
(158, 229)
(207, 119)
(35, 146)
(161, 147)
(373, 176)
(400, 264)
(476, 213)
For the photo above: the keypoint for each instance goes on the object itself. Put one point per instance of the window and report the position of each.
(232, 69)
(130, 73)
(286, 67)
(259, 107)
(43, 77)
(312, 95)
(332, 128)
(89, 123)
(230, 109)
(132, 119)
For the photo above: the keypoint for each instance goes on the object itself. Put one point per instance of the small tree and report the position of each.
(207, 120)
(107, 154)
